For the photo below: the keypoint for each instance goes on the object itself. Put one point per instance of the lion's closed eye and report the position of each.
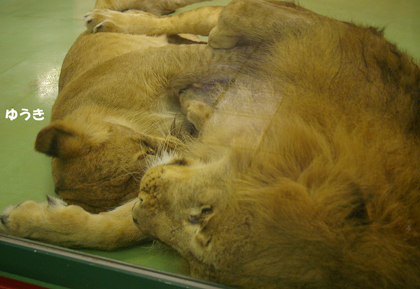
(206, 210)
(143, 153)
(179, 162)
(150, 151)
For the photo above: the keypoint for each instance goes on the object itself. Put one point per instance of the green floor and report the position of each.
(34, 38)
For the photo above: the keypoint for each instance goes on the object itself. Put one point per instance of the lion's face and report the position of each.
(182, 202)
(180, 197)
(106, 176)
(208, 214)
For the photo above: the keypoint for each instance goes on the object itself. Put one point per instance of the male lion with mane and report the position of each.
(305, 172)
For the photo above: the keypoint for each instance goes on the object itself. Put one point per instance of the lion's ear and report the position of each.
(61, 140)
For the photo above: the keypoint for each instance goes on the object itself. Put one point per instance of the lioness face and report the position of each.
(106, 176)
(101, 166)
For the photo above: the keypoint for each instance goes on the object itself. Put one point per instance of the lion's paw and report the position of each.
(197, 112)
(30, 219)
(195, 104)
(222, 38)
(104, 20)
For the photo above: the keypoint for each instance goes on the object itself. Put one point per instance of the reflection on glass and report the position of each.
(47, 85)
(107, 142)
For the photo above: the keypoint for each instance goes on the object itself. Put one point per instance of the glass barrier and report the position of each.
(34, 41)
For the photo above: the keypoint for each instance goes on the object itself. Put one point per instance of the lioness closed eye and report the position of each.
(305, 171)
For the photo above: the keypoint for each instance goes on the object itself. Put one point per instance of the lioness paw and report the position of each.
(195, 109)
(57, 223)
(29, 219)
(198, 112)
(101, 20)
(130, 22)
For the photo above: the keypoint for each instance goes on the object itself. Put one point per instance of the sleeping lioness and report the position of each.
(118, 108)
(107, 122)
(305, 171)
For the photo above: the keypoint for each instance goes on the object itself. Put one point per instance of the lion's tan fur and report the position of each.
(118, 108)
(305, 173)
(156, 7)
(84, 134)
(107, 122)
(323, 194)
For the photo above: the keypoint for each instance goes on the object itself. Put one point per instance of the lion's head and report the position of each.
(98, 164)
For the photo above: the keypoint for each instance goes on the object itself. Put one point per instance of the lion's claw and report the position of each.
(104, 20)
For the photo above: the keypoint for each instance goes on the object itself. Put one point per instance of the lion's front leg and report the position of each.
(198, 21)
(157, 7)
(57, 223)
(129, 22)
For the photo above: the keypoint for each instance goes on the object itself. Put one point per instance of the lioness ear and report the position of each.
(61, 140)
